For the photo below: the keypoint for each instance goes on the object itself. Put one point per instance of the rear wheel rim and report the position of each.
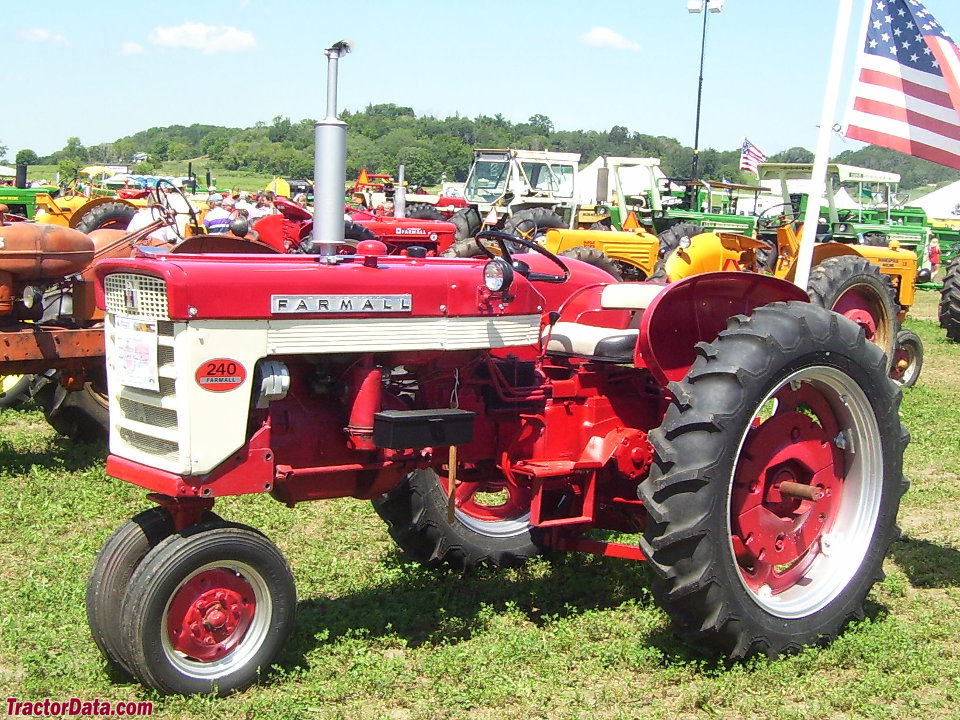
(794, 555)
(493, 508)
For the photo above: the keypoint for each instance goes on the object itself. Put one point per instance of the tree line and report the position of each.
(382, 137)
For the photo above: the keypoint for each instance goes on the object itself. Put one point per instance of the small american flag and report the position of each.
(906, 96)
(750, 157)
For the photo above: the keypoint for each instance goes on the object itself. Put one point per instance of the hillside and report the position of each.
(381, 137)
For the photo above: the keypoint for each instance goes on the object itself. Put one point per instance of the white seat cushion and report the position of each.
(600, 343)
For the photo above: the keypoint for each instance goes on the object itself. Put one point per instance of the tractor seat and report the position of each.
(606, 344)
(597, 343)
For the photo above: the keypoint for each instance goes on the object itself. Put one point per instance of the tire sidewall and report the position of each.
(161, 573)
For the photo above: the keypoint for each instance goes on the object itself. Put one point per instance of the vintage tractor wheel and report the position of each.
(595, 257)
(855, 287)
(948, 312)
(778, 472)
(423, 211)
(875, 239)
(491, 525)
(468, 223)
(118, 558)
(82, 415)
(14, 390)
(907, 359)
(531, 223)
(463, 249)
(671, 237)
(207, 610)
(108, 215)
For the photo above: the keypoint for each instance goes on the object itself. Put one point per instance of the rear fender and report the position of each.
(695, 310)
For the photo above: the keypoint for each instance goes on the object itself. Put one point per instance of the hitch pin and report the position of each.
(452, 481)
(799, 490)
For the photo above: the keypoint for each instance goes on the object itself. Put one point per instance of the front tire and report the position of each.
(207, 610)
(743, 563)
(114, 215)
(907, 359)
(485, 531)
(422, 211)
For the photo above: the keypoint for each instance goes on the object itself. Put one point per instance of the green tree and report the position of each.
(542, 124)
(3, 152)
(26, 157)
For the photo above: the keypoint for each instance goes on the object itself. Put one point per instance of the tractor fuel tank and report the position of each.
(30, 252)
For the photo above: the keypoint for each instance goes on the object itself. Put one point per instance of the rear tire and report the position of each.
(14, 390)
(468, 223)
(112, 215)
(792, 393)
(595, 257)
(671, 237)
(81, 415)
(495, 535)
(531, 223)
(463, 249)
(855, 287)
(422, 211)
(948, 312)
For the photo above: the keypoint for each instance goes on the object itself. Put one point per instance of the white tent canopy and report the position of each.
(7, 171)
(942, 204)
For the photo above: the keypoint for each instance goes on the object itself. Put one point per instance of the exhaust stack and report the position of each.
(330, 163)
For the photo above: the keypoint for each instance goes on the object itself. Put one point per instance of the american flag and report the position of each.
(907, 95)
(750, 157)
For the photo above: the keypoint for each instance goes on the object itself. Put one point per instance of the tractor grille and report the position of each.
(136, 295)
(146, 422)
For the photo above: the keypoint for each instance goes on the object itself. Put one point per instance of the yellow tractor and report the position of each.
(874, 286)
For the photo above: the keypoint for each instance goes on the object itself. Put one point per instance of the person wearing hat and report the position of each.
(217, 219)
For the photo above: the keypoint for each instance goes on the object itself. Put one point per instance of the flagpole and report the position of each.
(818, 178)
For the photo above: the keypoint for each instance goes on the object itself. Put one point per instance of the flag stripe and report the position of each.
(905, 145)
(908, 88)
(891, 126)
(948, 57)
(907, 94)
(892, 97)
(908, 116)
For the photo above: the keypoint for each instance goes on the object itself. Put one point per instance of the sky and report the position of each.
(105, 69)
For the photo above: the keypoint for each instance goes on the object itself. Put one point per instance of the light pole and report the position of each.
(705, 7)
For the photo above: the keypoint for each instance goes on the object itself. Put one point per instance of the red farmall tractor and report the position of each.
(749, 438)
(492, 408)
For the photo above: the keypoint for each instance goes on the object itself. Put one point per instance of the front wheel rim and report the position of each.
(796, 551)
(216, 620)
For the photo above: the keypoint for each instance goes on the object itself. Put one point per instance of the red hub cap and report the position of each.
(210, 614)
(857, 307)
(786, 492)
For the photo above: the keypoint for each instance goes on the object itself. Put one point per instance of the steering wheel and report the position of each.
(163, 200)
(504, 242)
(767, 221)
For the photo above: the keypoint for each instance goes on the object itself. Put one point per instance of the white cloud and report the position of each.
(42, 35)
(606, 38)
(208, 39)
(131, 48)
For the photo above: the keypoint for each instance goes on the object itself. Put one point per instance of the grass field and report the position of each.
(224, 179)
(566, 637)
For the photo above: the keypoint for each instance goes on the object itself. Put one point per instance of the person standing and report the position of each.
(933, 255)
(217, 219)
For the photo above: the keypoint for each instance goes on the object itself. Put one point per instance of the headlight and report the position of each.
(684, 243)
(497, 275)
(843, 227)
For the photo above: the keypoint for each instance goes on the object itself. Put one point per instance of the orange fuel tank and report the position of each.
(31, 252)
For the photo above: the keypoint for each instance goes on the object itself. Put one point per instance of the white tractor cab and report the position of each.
(506, 188)
(863, 206)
